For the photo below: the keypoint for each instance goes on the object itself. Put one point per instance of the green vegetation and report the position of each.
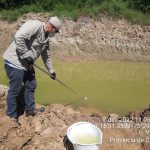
(137, 11)
(110, 86)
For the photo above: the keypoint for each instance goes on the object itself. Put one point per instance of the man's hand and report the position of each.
(30, 62)
(53, 75)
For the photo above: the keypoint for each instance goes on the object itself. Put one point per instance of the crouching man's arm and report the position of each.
(24, 34)
(46, 56)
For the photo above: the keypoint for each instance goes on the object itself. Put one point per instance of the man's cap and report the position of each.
(55, 22)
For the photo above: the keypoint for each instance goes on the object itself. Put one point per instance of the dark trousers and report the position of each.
(23, 83)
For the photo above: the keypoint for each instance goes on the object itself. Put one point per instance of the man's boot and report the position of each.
(34, 112)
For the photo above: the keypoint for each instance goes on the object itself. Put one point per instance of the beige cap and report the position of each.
(55, 22)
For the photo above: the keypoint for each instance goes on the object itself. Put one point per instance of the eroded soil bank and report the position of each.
(89, 39)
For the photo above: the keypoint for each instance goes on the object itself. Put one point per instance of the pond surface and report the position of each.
(112, 87)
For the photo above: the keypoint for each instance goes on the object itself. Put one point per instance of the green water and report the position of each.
(86, 139)
(117, 87)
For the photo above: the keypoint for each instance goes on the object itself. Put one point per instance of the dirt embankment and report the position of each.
(86, 38)
(47, 131)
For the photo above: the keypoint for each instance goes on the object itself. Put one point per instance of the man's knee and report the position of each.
(31, 84)
(15, 83)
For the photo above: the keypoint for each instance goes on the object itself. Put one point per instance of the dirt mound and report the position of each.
(89, 39)
(47, 131)
(3, 94)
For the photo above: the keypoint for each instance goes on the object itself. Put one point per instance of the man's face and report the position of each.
(52, 28)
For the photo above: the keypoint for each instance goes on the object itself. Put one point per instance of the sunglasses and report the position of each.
(56, 30)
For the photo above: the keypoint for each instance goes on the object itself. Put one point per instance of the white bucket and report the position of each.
(84, 136)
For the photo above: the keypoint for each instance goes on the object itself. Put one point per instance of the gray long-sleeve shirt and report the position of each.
(29, 41)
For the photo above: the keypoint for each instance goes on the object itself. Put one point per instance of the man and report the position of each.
(30, 41)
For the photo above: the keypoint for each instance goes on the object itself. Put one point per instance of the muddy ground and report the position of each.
(47, 130)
